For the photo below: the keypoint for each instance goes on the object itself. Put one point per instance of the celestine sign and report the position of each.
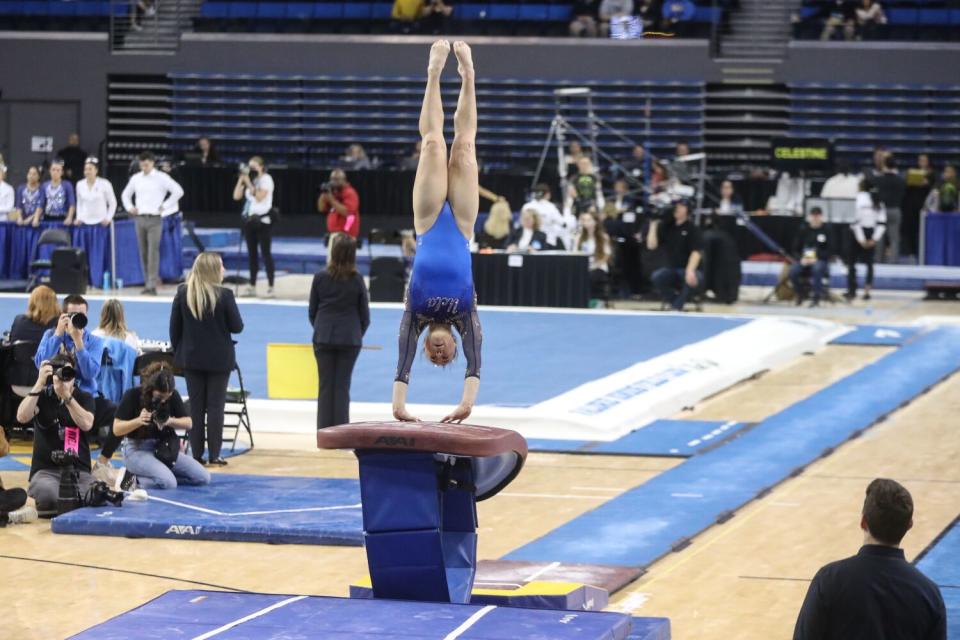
(807, 154)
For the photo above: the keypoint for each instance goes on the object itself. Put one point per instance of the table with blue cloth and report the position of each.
(18, 246)
(941, 238)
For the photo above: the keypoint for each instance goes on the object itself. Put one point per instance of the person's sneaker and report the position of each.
(218, 462)
(814, 303)
(250, 292)
(270, 292)
(104, 473)
(148, 291)
(866, 296)
(849, 296)
(125, 480)
(23, 515)
(138, 495)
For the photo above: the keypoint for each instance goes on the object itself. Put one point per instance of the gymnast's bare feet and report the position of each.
(464, 57)
(438, 56)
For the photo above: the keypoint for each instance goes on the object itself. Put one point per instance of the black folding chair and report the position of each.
(236, 412)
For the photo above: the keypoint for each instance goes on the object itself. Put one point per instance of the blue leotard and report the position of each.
(441, 291)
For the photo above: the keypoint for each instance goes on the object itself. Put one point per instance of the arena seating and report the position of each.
(310, 119)
(907, 119)
(906, 20)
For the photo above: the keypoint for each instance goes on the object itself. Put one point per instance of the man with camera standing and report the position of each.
(339, 200)
(255, 187)
(156, 195)
(61, 414)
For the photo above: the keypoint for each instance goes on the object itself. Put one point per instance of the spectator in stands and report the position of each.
(812, 250)
(42, 314)
(558, 227)
(870, 15)
(574, 153)
(144, 433)
(96, 201)
(73, 158)
(586, 190)
(891, 188)
(622, 200)
(58, 194)
(528, 237)
(206, 153)
(255, 187)
(944, 197)
(679, 168)
(139, 9)
(410, 162)
(730, 203)
(339, 312)
(149, 195)
(876, 593)
(658, 177)
(584, 23)
(839, 16)
(341, 204)
(52, 410)
(611, 10)
(636, 165)
(593, 240)
(879, 154)
(683, 243)
(920, 181)
(202, 319)
(406, 14)
(843, 184)
(649, 13)
(436, 15)
(113, 324)
(867, 231)
(355, 159)
(8, 197)
(496, 228)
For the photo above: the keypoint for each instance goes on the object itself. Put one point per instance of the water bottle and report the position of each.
(106, 280)
(119, 283)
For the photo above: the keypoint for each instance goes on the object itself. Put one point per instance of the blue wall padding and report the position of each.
(187, 614)
(279, 510)
(878, 335)
(643, 524)
(675, 438)
(941, 563)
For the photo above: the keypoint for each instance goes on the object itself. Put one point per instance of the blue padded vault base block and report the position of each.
(240, 508)
(670, 438)
(872, 335)
(645, 523)
(236, 616)
(941, 563)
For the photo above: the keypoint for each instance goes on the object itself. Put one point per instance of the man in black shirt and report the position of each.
(890, 188)
(61, 414)
(73, 158)
(812, 248)
(876, 594)
(683, 244)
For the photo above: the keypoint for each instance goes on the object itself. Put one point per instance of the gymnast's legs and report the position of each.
(463, 190)
(430, 185)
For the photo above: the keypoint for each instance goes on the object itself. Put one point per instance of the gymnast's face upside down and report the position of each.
(440, 346)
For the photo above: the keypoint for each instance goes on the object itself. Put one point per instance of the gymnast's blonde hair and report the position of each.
(203, 284)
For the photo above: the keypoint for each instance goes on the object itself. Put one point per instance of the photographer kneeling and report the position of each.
(61, 414)
(148, 416)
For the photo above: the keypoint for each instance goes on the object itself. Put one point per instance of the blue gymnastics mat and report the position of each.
(239, 508)
(251, 616)
(872, 335)
(671, 438)
(647, 522)
(941, 563)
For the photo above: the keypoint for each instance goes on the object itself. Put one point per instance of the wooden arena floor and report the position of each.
(744, 579)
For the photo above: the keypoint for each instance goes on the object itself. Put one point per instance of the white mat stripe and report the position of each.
(255, 614)
(469, 622)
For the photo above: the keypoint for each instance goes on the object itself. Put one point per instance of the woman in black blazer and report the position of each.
(340, 314)
(203, 317)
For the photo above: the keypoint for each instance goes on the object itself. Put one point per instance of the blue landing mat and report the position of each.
(239, 508)
(242, 616)
(941, 563)
(19, 458)
(878, 335)
(645, 523)
(672, 438)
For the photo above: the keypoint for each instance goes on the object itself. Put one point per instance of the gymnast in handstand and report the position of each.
(446, 199)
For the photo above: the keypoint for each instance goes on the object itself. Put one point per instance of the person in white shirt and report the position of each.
(96, 201)
(255, 188)
(867, 231)
(556, 226)
(843, 184)
(156, 195)
(113, 324)
(7, 195)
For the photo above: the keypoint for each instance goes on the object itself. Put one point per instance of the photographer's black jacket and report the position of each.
(205, 345)
(48, 425)
(131, 404)
(810, 238)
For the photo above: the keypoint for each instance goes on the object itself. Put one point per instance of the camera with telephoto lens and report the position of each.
(159, 411)
(79, 320)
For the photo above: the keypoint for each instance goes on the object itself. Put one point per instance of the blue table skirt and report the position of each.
(17, 245)
(942, 239)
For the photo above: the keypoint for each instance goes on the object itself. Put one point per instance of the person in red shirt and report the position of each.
(341, 203)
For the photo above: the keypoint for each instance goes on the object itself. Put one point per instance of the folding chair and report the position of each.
(53, 237)
(236, 412)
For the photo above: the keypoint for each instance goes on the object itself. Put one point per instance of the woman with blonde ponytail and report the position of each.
(203, 317)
